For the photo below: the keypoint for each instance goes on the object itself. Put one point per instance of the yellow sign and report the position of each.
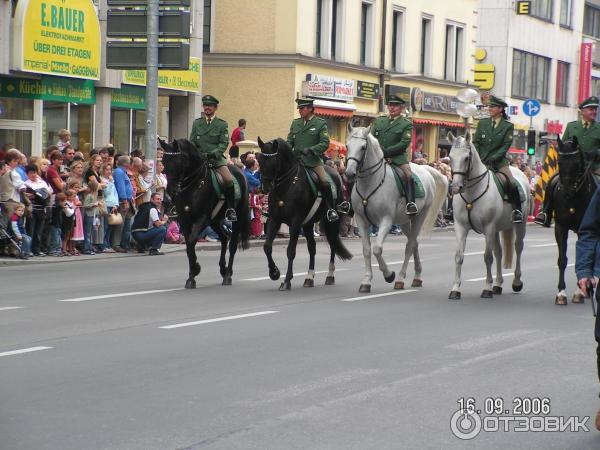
(484, 73)
(57, 37)
(178, 80)
(523, 7)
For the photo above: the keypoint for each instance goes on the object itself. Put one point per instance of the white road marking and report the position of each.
(483, 278)
(218, 319)
(366, 297)
(473, 253)
(24, 350)
(299, 274)
(571, 265)
(122, 294)
(7, 308)
(553, 244)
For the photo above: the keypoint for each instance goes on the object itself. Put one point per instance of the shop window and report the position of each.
(139, 130)
(21, 139)
(119, 130)
(81, 128)
(54, 119)
(16, 109)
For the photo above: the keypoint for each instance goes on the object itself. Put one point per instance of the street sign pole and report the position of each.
(151, 82)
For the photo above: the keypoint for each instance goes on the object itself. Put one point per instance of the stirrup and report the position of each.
(344, 207)
(411, 208)
(230, 215)
(332, 215)
(517, 216)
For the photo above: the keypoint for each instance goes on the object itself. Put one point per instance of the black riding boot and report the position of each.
(517, 214)
(544, 217)
(230, 214)
(332, 215)
(411, 206)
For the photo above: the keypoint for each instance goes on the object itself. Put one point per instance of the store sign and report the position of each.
(585, 71)
(485, 74)
(130, 97)
(328, 87)
(177, 80)
(57, 37)
(367, 90)
(49, 88)
(402, 91)
(439, 103)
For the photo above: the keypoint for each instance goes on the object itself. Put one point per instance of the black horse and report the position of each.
(197, 205)
(292, 201)
(572, 196)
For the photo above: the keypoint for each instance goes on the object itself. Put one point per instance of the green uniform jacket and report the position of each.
(211, 140)
(394, 136)
(492, 144)
(588, 139)
(313, 135)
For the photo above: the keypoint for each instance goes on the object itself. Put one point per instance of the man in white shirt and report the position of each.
(149, 228)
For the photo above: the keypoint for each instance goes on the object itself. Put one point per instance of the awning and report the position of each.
(439, 122)
(334, 109)
(330, 112)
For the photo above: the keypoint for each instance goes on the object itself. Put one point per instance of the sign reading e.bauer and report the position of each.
(178, 80)
(57, 37)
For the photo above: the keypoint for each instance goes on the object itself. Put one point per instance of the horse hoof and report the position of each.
(486, 294)
(399, 285)
(274, 274)
(285, 286)
(227, 281)
(364, 288)
(454, 295)
(417, 283)
(516, 287)
(309, 282)
(560, 300)
(330, 281)
(497, 290)
(390, 278)
(190, 284)
(578, 298)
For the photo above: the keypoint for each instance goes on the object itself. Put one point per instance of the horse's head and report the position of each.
(461, 155)
(274, 158)
(356, 145)
(180, 157)
(570, 166)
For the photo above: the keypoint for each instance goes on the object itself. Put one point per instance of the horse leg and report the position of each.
(291, 254)
(520, 230)
(488, 258)
(223, 240)
(414, 228)
(384, 228)
(307, 230)
(332, 230)
(417, 280)
(226, 270)
(461, 241)
(363, 227)
(561, 235)
(407, 230)
(191, 237)
(497, 289)
(271, 232)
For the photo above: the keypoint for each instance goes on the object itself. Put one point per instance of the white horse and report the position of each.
(479, 206)
(376, 200)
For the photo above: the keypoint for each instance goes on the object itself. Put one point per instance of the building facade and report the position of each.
(532, 56)
(53, 75)
(346, 54)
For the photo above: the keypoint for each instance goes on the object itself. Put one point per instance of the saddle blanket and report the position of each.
(419, 189)
(216, 182)
(313, 179)
(502, 190)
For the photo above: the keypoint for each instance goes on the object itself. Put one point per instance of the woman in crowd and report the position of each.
(111, 200)
(38, 192)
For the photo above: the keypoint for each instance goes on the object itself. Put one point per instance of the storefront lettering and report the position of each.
(66, 19)
(439, 103)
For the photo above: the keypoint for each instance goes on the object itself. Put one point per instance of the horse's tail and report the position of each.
(439, 196)
(332, 232)
(341, 251)
(508, 238)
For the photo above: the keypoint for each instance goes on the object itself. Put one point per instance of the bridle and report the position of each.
(280, 179)
(187, 181)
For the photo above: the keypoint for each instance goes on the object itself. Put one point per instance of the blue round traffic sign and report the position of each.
(531, 107)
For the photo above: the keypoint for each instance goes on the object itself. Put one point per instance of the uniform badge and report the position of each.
(313, 129)
(483, 136)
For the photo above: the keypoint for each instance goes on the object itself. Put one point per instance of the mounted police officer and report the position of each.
(209, 134)
(309, 138)
(492, 140)
(587, 132)
(394, 133)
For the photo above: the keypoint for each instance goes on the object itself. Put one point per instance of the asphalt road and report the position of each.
(114, 354)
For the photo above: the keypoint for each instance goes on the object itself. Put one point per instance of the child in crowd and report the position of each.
(68, 223)
(77, 229)
(17, 231)
(91, 216)
(56, 227)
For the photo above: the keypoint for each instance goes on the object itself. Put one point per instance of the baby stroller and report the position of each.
(5, 238)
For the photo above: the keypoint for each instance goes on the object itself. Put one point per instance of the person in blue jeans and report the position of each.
(125, 195)
(148, 227)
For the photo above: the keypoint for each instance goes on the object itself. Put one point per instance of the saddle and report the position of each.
(399, 177)
(502, 184)
(313, 182)
(217, 182)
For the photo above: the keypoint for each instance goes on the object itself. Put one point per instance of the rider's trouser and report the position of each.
(325, 186)
(409, 185)
(227, 185)
(514, 195)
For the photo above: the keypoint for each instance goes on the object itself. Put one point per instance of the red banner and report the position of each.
(585, 71)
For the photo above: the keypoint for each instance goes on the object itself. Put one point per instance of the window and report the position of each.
(454, 58)
(334, 24)
(397, 34)
(319, 24)
(595, 87)
(565, 13)
(542, 9)
(206, 25)
(425, 46)
(16, 109)
(562, 83)
(366, 34)
(119, 129)
(591, 21)
(530, 76)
